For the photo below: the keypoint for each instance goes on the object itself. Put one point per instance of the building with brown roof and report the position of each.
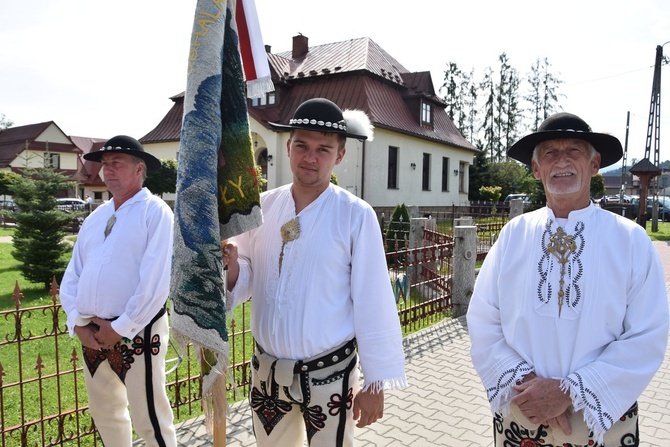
(41, 145)
(418, 156)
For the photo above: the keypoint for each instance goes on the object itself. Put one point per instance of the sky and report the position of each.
(102, 68)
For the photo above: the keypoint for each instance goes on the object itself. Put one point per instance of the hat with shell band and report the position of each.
(566, 125)
(124, 144)
(322, 115)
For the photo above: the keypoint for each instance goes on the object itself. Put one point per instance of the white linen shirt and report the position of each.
(612, 333)
(127, 274)
(334, 284)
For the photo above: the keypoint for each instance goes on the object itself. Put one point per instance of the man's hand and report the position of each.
(560, 421)
(229, 251)
(106, 335)
(86, 336)
(368, 407)
(543, 401)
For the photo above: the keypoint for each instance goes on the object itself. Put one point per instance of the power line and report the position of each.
(612, 76)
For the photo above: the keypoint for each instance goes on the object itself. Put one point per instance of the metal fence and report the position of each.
(43, 400)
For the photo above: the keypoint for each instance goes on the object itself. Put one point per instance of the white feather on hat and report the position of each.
(358, 123)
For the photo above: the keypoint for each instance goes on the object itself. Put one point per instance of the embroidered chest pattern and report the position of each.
(566, 250)
(290, 231)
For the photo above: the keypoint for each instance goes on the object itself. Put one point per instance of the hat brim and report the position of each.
(608, 146)
(289, 127)
(152, 162)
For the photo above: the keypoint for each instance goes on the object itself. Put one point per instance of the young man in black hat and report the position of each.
(114, 292)
(569, 316)
(317, 272)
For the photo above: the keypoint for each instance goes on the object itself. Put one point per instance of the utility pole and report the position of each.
(645, 167)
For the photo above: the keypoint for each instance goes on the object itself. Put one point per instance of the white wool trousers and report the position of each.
(127, 383)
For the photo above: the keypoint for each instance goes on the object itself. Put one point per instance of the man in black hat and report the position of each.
(569, 316)
(317, 272)
(114, 292)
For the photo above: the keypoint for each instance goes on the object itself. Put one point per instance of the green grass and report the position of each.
(34, 294)
(663, 233)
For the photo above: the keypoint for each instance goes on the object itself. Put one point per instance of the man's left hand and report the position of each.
(368, 407)
(106, 335)
(541, 399)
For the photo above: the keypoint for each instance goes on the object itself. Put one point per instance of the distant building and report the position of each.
(42, 145)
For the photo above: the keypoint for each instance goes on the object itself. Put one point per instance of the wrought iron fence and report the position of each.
(43, 399)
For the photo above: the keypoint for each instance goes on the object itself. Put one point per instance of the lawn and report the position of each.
(663, 233)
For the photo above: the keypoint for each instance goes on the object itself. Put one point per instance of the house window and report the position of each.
(461, 178)
(392, 179)
(445, 174)
(425, 173)
(51, 160)
(268, 99)
(97, 196)
(426, 113)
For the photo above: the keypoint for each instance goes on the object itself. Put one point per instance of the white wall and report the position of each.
(53, 134)
(410, 190)
(35, 159)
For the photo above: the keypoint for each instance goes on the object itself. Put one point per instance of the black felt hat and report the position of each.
(323, 115)
(567, 125)
(125, 145)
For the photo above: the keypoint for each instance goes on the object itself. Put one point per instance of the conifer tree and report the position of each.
(40, 225)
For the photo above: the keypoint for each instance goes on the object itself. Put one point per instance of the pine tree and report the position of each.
(534, 95)
(40, 225)
(550, 85)
(479, 175)
(398, 229)
(488, 125)
(451, 84)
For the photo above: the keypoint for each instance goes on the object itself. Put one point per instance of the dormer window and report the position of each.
(426, 113)
(267, 100)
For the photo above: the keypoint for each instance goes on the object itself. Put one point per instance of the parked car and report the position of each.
(612, 198)
(9, 205)
(71, 204)
(524, 197)
(663, 207)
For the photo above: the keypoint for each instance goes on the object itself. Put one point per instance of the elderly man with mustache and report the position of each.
(569, 316)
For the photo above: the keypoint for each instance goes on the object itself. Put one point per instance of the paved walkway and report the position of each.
(445, 404)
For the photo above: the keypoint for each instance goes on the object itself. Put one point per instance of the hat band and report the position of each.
(569, 130)
(338, 126)
(116, 148)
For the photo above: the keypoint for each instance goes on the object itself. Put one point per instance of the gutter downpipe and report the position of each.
(363, 172)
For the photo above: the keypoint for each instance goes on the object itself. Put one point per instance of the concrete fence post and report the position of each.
(515, 208)
(417, 224)
(463, 275)
(463, 221)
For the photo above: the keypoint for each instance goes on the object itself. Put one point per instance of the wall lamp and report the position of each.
(269, 157)
(456, 172)
(413, 166)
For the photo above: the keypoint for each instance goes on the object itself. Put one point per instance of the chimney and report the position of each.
(268, 49)
(300, 46)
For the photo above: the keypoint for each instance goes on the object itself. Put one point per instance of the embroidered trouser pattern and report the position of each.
(318, 404)
(132, 374)
(509, 433)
